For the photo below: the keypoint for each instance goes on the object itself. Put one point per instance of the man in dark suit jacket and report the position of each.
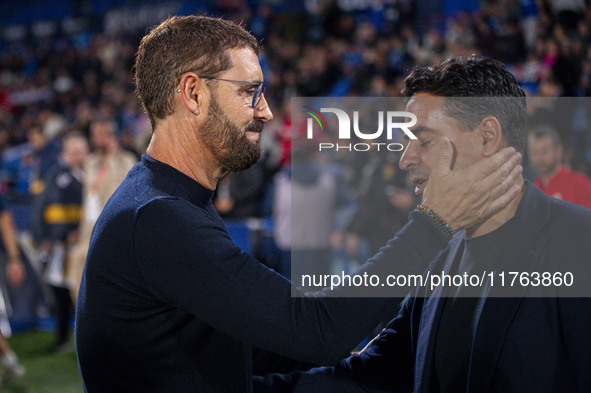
(495, 336)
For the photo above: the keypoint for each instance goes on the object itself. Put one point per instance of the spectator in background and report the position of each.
(568, 12)
(104, 170)
(10, 257)
(304, 203)
(61, 208)
(44, 152)
(43, 156)
(26, 164)
(239, 195)
(384, 203)
(328, 50)
(545, 153)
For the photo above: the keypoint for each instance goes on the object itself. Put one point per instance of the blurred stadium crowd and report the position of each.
(61, 78)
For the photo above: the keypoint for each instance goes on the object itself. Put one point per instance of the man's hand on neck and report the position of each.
(498, 219)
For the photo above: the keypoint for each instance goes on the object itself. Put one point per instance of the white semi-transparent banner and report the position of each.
(359, 167)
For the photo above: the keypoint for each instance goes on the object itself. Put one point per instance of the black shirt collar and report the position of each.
(196, 192)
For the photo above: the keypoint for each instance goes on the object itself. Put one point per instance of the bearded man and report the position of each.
(168, 303)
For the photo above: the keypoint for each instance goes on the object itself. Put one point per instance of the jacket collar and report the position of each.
(430, 317)
(183, 185)
(532, 215)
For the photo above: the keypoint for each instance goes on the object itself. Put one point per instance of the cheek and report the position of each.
(429, 154)
(240, 115)
(467, 150)
(237, 106)
(542, 157)
(429, 160)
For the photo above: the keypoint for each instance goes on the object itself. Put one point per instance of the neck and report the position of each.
(497, 220)
(178, 145)
(545, 178)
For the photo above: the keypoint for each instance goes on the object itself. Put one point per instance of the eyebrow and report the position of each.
(249, 86)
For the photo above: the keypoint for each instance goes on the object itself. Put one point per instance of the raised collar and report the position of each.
(189, 188)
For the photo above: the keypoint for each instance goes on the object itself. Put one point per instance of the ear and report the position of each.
(491, 136)
(192, 94)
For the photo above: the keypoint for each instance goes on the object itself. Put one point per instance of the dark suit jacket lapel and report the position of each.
(429, 323)
(498, 312)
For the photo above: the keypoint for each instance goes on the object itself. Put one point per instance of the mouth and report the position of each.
(253, 136)
(420, 185)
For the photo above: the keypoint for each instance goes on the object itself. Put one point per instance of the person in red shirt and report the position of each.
(545, 153)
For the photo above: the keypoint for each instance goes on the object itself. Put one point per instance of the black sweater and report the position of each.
(168, 303)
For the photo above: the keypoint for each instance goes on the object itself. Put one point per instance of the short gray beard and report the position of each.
(228, 144)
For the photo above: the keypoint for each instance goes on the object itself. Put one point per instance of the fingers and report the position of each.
(470, 195)
(500, 177)
(499, 160)
(502, 171)
(513, 179)
(503, 185)
(503, 193)
(504, 200)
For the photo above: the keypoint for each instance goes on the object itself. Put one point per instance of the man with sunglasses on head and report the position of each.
(168, 303)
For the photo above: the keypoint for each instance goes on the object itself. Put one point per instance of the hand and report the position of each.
(15, 271)
(468, 196)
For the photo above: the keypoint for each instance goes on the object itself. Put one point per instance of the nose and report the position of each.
(409, 158)
(263, 111)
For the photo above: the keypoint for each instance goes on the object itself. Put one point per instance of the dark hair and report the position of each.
(543, 130)
(475, 76)
(73, 134)
(181, 44)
